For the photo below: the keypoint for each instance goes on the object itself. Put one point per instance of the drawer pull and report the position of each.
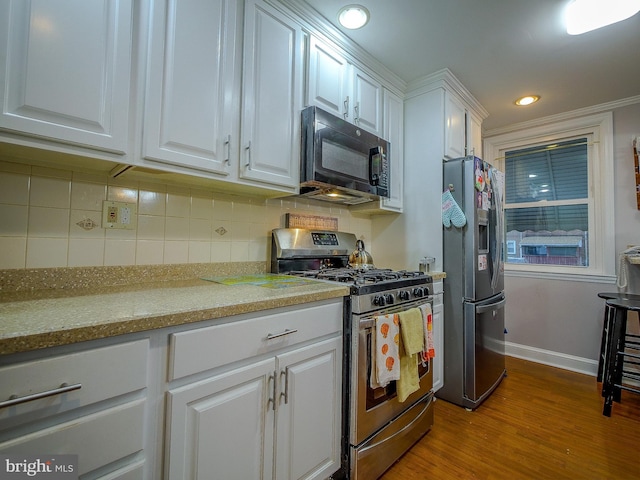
(64, 388)
(271, 336)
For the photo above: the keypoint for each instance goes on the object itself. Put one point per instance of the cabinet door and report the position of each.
(474, 135)
(309, 411)
(367, 102)
(65, 70)
(272, 96)
(394, 133)
(455, 127)
(222, 427)
(191, 106)
(438, 341)
(328, 79)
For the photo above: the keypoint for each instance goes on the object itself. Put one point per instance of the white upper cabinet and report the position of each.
(271, 97)
(463, 134)
(65, 70)
(191, 107)
(455, 127)
(328, 71)
(343, 89)
(394, 133)
(223, 101)
(367, 101)
(474, 135)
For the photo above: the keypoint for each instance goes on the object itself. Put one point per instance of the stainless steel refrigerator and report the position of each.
(474, 300)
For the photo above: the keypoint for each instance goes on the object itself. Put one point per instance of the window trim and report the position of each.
(599, 128)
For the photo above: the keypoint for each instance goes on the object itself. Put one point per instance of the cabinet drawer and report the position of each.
(205, 348)
(102, 373)
(97, 439)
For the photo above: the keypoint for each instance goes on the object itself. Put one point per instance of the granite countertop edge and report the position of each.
(48, 317)
(36, 334)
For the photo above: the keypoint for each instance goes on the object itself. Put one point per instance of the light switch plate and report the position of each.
(118, 215)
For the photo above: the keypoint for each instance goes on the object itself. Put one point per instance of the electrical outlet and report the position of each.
(118, 215)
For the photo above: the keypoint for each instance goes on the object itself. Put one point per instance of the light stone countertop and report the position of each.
(438, 276)
(29, 324)
(49, 307)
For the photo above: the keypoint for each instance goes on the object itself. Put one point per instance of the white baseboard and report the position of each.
(554, 359)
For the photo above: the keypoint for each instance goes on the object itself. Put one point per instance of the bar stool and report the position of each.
(606, 326)
(616, 355)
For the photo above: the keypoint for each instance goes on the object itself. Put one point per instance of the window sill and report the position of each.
(570, 277)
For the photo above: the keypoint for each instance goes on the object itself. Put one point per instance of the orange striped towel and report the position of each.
(429, 348)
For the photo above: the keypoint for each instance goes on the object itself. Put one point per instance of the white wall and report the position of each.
(400, 241)
(559, 322)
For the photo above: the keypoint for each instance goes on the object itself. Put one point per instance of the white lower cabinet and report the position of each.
(309, 411)
(219, 427)
(100, 417)
(277, 416)
(438, 335)
(249, 396)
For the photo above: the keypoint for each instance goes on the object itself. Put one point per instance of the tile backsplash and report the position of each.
(53, 218)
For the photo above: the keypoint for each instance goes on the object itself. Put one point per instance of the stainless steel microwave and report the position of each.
(340, 162)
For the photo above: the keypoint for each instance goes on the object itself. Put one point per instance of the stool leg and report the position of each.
(606, 328)
(608, 389)
(619, 363)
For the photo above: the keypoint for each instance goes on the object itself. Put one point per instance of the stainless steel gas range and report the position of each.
(380, 427)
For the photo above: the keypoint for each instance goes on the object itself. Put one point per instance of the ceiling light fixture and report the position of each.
(582, 16)
(353, 16)
(528, 100)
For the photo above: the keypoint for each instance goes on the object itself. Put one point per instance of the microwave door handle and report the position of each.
(374, 175)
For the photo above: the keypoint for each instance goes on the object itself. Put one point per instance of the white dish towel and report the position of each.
(384, 350)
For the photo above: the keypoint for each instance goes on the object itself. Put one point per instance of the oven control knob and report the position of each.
(404, 294)
(379, 301)
(390, 299)
(418, 292)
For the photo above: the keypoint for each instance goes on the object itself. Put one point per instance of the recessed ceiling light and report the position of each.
(353, 16)
(528, 100)
(582, 16)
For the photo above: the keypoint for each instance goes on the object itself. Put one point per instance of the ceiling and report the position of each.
(501, 50)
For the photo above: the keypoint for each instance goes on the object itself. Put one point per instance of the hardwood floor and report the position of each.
(541, 423)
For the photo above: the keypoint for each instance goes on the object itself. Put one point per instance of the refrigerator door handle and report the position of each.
(499, 233)
(492, 306)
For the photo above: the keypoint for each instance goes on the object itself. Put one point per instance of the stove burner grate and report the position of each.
(358, 277)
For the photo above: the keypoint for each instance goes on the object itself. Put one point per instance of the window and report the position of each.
(547, 203)
(558, 196)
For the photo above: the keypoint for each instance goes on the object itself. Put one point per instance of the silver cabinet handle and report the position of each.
(285, 394)
(64, 388)
(248, 149)
(271, 336)
(346, 107)
(356, 113)
(272, 400)
(227, 144)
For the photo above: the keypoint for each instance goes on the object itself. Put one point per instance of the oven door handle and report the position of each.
(369, 322)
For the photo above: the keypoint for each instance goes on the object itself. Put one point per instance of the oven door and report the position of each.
(373, 408)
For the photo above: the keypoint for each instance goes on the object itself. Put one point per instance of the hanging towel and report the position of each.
(411, 344)
(384, 348)
(429, 347)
